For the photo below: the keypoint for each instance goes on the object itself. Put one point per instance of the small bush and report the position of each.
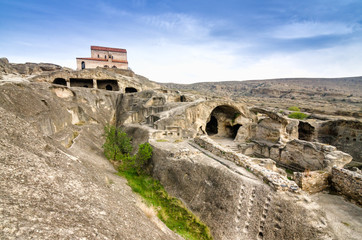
(298, 115)
(118, 144)
(294, 108)
(141, 158)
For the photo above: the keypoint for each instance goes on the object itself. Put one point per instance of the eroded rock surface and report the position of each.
(54, 185)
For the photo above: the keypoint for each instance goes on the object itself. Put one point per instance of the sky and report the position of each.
(187, 41)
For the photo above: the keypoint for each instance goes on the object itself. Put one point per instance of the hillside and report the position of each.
(332, 96)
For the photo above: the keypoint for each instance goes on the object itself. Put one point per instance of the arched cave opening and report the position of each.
(83, 65)
(60, 81)
(305, 131)
(211, 126)
(222, 122)
(130, 90)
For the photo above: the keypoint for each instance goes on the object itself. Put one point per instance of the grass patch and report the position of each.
(178, 140)
(298, 115)
(294, 108)
(289, 171)
(170, 210)
(161, 140)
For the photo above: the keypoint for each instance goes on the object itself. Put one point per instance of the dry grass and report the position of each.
(149, 211)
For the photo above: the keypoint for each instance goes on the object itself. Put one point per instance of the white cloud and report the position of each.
(187, 64)
(177, 24)
(312, 29)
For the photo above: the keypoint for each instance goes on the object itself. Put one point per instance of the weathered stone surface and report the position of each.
(313, 156)
(49, 191)
(346, 135)
(68, 182)
(233, 202)
(313, 181)
(348, 183)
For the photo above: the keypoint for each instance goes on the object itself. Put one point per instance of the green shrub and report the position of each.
(141, 158)
(298, 115)
(169, 209)
(294, 108)
(117, 145)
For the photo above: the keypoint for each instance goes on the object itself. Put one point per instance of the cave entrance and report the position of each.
(108, 84)
(183, 98)
(233, 130)
(222, 122)
(211, 126)
(305, 131)
(130, 90)
(80, 82)
(60, 81)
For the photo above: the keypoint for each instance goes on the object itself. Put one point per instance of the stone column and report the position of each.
(120, 87)
(95, 84)
(68, 82)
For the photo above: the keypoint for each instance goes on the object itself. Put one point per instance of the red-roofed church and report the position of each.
(104, 57)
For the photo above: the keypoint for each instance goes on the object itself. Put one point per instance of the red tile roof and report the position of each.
(108, 49)
(104, 60)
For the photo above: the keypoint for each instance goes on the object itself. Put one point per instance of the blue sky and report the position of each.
(191, 41)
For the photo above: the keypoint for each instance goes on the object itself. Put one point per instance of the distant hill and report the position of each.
(279, 88)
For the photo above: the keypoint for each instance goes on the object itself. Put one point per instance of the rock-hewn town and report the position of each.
(246, 169)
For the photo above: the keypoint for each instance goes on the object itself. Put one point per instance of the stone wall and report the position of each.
(105, 55)
(263, 168)
(100, 63)
(312, 182)
(348, 183)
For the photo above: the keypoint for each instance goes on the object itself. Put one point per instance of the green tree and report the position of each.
(117, 144)
(141, 158)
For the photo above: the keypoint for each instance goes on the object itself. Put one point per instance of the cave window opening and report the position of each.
(60, 81)
(83, 65)
(212, 126)
(305, 131)
(109, 87)
(114, 66)
(78, 82)
(130, 90)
